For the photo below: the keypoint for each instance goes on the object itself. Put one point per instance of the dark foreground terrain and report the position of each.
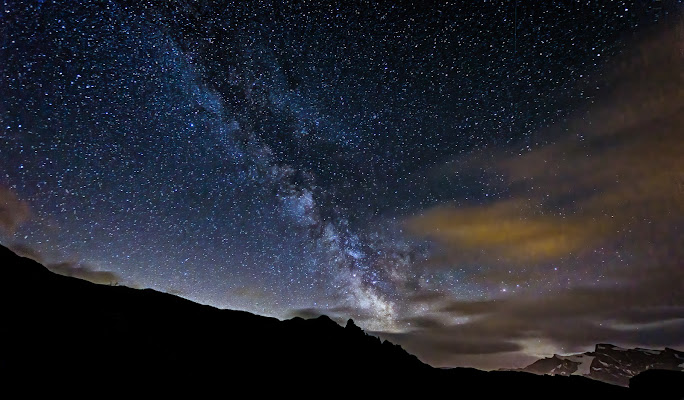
(59, 333)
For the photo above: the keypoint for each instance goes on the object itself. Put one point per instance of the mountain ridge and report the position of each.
(609, 363)
(59, 328)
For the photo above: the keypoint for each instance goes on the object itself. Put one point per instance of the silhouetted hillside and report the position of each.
(652, 382)
(58, 328)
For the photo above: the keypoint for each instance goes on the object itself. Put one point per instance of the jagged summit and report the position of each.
(352, 327)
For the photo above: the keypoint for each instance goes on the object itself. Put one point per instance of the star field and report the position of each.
(411, 166)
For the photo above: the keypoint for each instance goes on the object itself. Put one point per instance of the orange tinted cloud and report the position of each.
(85, 272)
(13, 211)
(615, 172)
(506, 229)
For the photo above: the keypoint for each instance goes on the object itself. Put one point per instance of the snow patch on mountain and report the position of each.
(583, 362)
(609, 363)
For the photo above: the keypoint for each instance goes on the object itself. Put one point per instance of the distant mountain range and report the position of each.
(60, 334)
(609, 363)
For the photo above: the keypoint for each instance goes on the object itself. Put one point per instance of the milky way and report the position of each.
(299, 158)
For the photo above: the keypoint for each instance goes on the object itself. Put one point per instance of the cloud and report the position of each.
(426, 297)
(508, 230)
(645, 312)
(512, 331)
(439, 347)
(609, 186)
(645, 316)
(471, 308)
(69, 268)
(641, 310)
(82, 271)
(613, 175)
(603, 201)
(13, 211)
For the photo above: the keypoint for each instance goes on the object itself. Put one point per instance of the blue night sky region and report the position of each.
(482, 182)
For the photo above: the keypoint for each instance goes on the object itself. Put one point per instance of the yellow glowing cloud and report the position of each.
(13, 211)
(504, 229)
(617, 172)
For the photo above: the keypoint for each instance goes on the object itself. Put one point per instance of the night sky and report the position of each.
(482, 182)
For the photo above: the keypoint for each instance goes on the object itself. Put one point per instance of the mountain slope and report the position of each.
(68, 323)
(62, 329)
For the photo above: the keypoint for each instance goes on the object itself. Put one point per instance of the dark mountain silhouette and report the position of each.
(609, 363)
(653, 381)
(62, 333)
